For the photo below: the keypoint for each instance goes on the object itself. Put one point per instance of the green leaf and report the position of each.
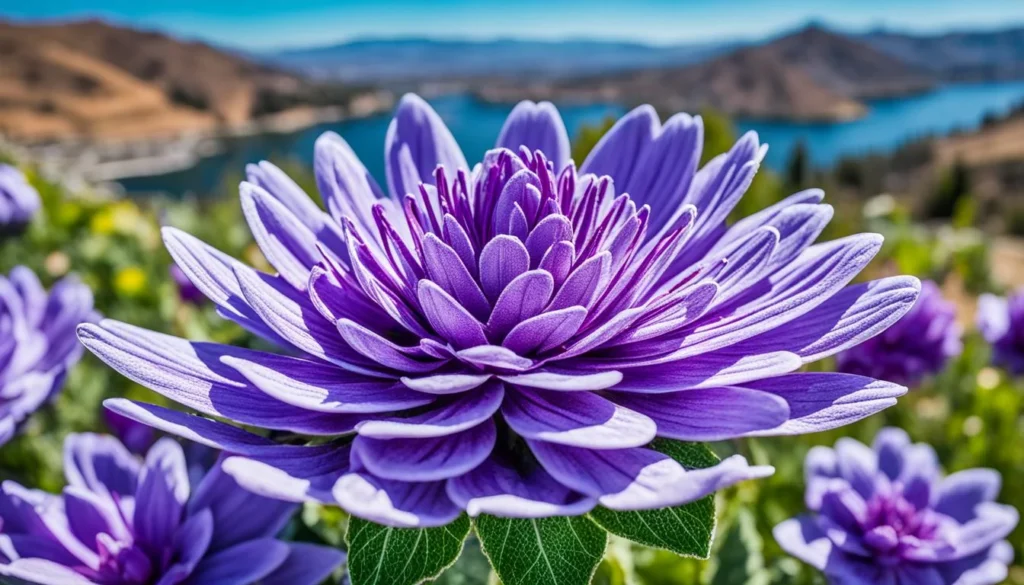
(544, 551)
(740, 560)
(382, 555)
(685, 530)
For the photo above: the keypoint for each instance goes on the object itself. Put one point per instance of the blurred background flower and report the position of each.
(886, 515)
(19, 201)
(1001, 321)
(136, 523)
(919, 344)
(36, 344)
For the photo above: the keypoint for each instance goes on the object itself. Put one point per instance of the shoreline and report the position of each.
(103, 163)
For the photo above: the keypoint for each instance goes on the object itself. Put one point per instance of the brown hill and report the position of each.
(813, 74)
(92, 80)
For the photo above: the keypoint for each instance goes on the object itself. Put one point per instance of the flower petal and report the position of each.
(565, 380)
(710, 414)
(426, 459)
(637, 478)
(618, 152)
(322, 387)
(802, 538)
(960, 493)
(241, 564)
(502, 260)
(581, 419)
(545, 331)
(448, 318)
(523, 298)
(395, 503)
(446, 417)
(537, 126)
(823, 401)
(306, 564)
(287, 243)
(193, 375)
(418, 129)
(498, 489)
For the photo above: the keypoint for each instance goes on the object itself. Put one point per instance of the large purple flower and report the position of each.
(886, 516)
(37, 342)
(1001, 322)
(19, 201)
(509, 339)
(120, 521)
(917, 345)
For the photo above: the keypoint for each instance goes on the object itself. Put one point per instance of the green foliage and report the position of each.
(588, 137)
(953, 185)
(798, 168)
(546, 551)
(740, 560)
(382, 555)
(685, 530)
(472, 568)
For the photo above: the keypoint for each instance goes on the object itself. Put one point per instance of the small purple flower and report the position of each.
(120, 521)
(509, 338)
(917, 345)
(886, 516)
(187, 291)
(1001, 322)
(19, 201)
(37, 342)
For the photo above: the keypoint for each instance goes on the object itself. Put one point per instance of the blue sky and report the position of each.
(268, 24)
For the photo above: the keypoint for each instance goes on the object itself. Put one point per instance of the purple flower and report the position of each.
(1001, 321)
(19, 201)
(509, 339)
(917, 345)
(886, 516)
(125, 522)
(37, 342)
(187, 291)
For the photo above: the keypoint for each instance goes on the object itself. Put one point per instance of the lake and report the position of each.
(888, 124)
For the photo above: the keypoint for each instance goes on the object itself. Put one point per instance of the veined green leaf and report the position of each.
(543, 551)
(382, 555)
(685, 530)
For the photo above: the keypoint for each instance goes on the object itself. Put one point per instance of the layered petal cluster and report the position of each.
(916, 346)
(122, 521)
(1001, 322)
(885, 515)
(37, 342)
(19, 201)
(509, 339)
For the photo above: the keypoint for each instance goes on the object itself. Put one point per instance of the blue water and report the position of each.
(889, 123)
(475, 125)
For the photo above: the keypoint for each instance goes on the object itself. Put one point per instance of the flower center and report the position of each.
(894, 525)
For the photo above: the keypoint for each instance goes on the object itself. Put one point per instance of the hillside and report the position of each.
(415, 59)
(812, 74)
(958, 56)
(91, 80)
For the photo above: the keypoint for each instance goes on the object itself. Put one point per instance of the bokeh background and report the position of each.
(910, 114)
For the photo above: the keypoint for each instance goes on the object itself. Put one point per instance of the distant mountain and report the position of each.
(958, 56)
(811, 74)
(417, 59)
(93, 80)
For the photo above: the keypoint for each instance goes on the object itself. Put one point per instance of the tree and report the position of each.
(954, 184)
